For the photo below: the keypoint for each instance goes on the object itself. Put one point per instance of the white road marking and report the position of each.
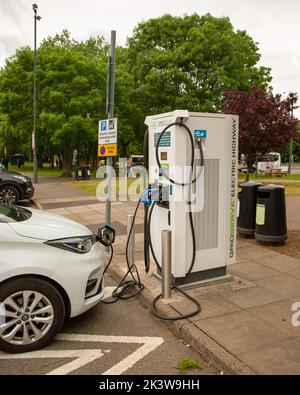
(54, 354)
(84, 357)
(74, 365)
(149, 344)
(129, 361)
(105, 339)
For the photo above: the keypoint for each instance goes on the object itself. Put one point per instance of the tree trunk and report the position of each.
(124, 149)
(67, 161)
(51, 157)
(40, 162)
(60, 160)
(247, 175)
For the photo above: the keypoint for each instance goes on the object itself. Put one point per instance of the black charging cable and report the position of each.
(130, 288)
(173, 285)
(182, 184)
(161, 168)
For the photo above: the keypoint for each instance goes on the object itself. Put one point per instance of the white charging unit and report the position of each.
(214, 195)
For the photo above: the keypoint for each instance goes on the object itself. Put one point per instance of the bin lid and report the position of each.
(250, 184)
(270, 187)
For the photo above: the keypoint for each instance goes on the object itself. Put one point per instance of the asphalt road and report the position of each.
(121, 337)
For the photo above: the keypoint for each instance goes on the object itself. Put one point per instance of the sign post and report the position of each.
(109, 149)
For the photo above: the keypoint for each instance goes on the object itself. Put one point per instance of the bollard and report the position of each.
(131, 243)
(166, 237)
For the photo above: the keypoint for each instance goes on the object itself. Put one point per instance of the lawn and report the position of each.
(291, 188)
(28, 168)
(90, 186)
(263, 178)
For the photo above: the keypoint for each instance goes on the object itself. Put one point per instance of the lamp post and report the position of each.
(291, 146)
(34, 148)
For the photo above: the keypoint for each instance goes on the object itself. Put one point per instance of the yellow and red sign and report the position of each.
(107, 150)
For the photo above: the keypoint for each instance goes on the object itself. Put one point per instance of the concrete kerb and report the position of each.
(195, 337)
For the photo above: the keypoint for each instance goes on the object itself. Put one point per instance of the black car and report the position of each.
(14, 187)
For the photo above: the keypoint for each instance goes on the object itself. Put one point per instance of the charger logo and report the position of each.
(233, 187)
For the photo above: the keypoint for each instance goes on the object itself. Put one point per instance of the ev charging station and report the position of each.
(201, 213)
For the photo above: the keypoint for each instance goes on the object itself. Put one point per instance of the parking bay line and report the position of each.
(86, 356)
(83, 357)
(149, 344)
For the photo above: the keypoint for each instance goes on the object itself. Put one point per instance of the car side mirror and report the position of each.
(106, 235)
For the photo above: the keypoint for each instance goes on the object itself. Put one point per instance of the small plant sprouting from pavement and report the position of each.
(186, 364)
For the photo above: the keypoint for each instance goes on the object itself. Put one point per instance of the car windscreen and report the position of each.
(10, 214)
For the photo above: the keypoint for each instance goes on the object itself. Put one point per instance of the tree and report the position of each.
(71, 80)
(296, 149)
(16, 101)
(187, 62)
(266, 123)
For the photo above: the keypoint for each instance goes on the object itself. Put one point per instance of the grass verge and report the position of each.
(28, 168)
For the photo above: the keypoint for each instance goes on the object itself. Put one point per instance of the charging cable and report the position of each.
(182, 184)
(130, 288)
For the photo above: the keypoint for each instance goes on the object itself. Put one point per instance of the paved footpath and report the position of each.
(246, 324)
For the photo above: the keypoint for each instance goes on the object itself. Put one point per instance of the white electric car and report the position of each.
(50, 268)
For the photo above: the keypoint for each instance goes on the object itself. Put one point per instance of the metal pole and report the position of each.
(291, 147)
(34, 139)
(166, 236)
(291, 156)
(131, 243)
(110, 112)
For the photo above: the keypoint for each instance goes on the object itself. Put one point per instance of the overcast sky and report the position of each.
(274, 24)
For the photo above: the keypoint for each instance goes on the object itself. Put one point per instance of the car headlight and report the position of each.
(80, 245)
(21, 178)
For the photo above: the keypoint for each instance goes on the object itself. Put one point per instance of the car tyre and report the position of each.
(36, 326)
(9, 195)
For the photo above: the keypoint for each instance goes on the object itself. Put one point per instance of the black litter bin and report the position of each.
(82, 173)
(271, 214)
(247, 208)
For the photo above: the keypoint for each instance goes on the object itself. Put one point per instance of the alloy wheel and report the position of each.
(25, 317)
(8, 196)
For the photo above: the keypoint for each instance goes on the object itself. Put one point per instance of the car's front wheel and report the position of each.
(32, 312)
(9, 195)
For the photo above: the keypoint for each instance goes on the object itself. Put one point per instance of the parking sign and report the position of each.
(108, 131)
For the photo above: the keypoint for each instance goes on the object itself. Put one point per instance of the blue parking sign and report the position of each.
(103, 126)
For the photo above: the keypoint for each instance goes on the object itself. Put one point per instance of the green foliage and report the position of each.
(71, 82)
(170, 63)
(266, 123)
(186, 364)
(187, 62)
(296, 149)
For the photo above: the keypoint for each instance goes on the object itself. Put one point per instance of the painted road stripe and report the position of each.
(84, 357)
(105, 339)
(55, 354)
(149, 344)
(133, 358)
(74, 365)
